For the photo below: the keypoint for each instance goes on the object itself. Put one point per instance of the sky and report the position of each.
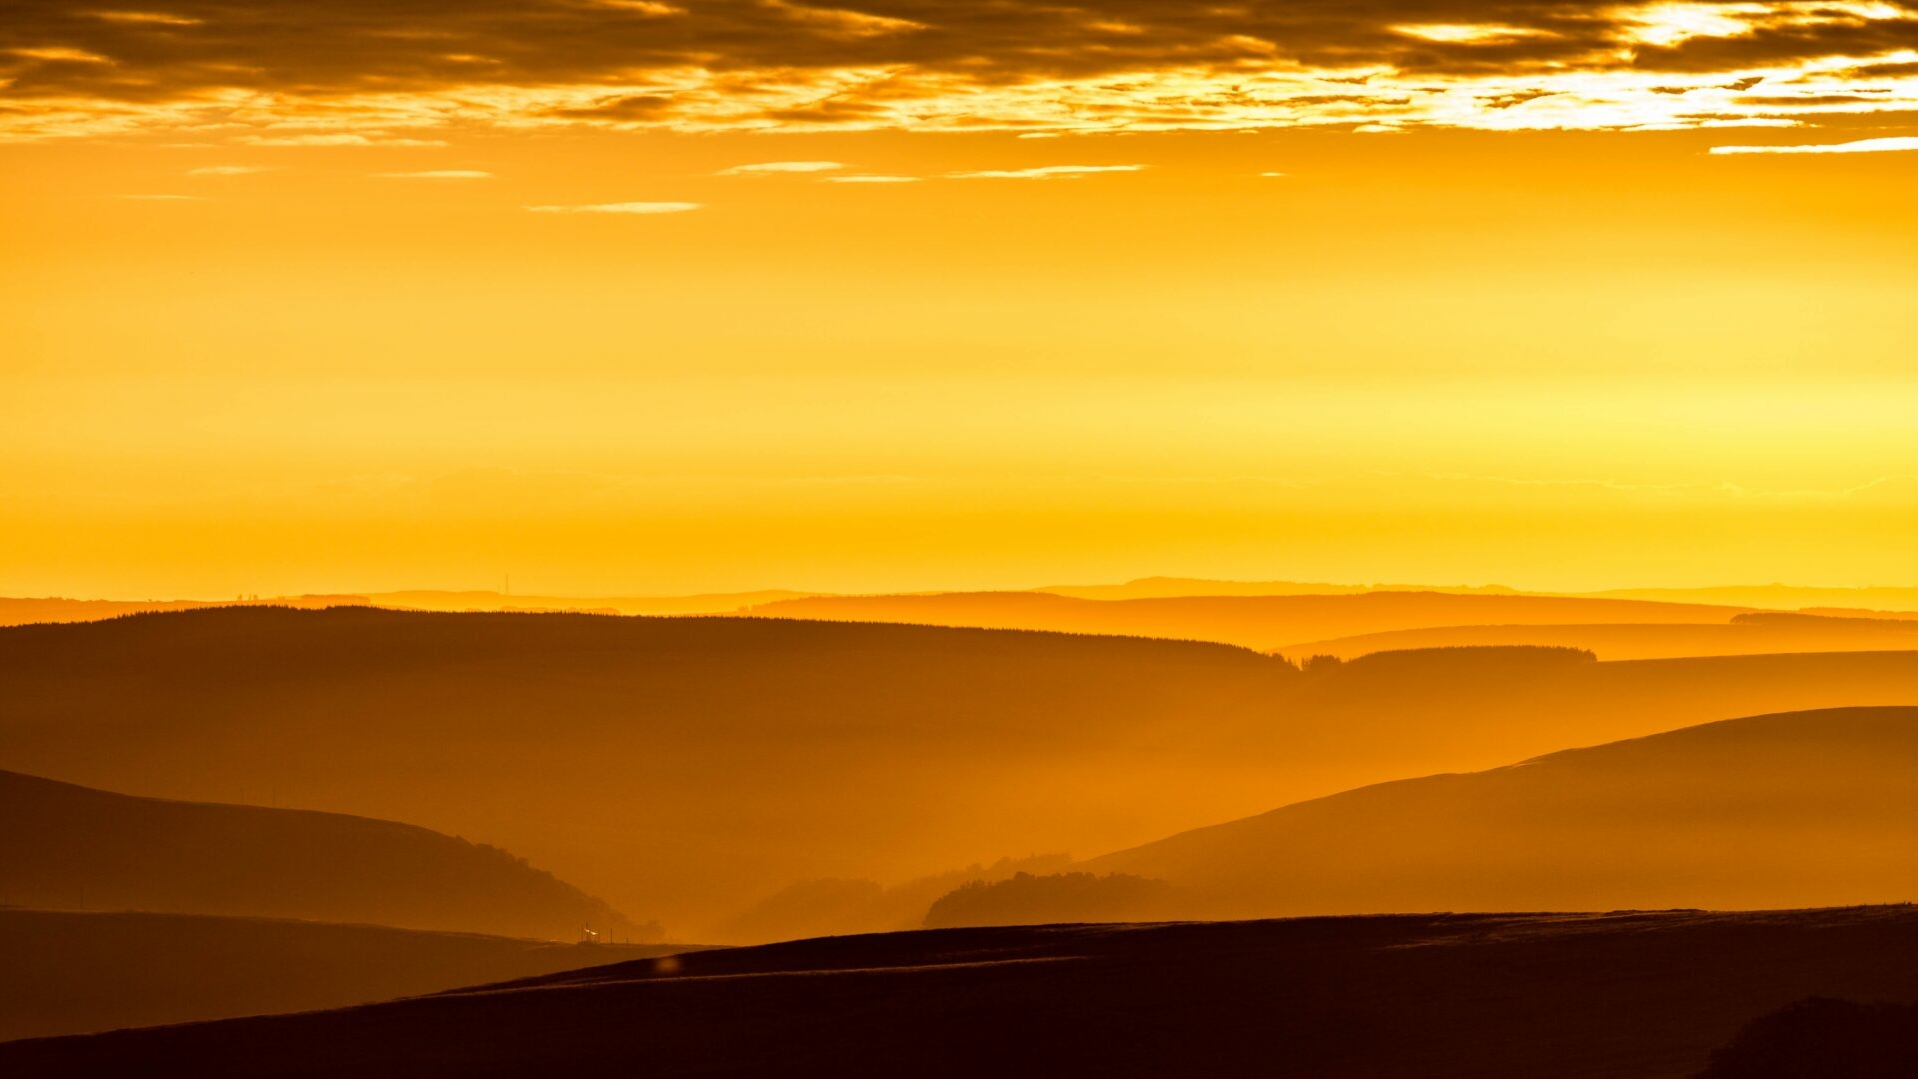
(625, 296)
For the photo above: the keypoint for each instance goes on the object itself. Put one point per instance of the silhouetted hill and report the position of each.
(1024, 899)
(682, 767)
(1781, 810)
(65, 847)
(1620, 996)
(687, 769)
(1756, 633)
(69, 973)
(1783, 597)
(1822, 1038)
(817, 908)
(711, 603)
(22, 612)
(1265, 623)
(1166, 587)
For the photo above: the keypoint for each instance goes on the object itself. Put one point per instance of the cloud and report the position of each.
(619, 208)
(768, 168)
(229, 170)
(336, 139)
(1469, 33)
(1859, 146)
(145, 18)
(330, 69)
(871, 179)
(1043, 172)
(437, 174)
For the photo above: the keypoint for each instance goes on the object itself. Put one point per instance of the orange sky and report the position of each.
(578, 291)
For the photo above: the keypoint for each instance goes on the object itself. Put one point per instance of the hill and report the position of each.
(21, 612)
(71, 973)
(66, 847)
(1264, 623)
(1165, 587)
(1758, 633)
(1780, 810)
(683, 767)
(1620, 996)
(689, 768)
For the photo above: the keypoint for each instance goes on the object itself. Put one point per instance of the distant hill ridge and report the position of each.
(1794, 809)
(67, 847)
(688, 769)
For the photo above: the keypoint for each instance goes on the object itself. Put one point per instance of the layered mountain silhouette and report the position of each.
(1028, 899)
(1622, 996)
(1262, 622)
(687, 768)
(691, 768)
(66, 847)
(1799, 809)
(21, 612)
(1754, 633)
(71, 973)
(817, 908)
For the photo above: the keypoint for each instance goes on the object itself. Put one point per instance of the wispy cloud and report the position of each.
(774, 168)
(146, 18)
(229, 170)
(619, 208)
(1043, 172)
(60, 54)
(1857, 146)
(437, 174)
(337, 139)
(644, 7)
(871, 179)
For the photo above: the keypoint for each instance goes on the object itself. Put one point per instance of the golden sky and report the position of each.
(626, 296)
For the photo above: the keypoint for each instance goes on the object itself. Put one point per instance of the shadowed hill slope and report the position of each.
(1265, 623)
(1624, 996)
(687, 769)
(1770, 811)
(71, 973)
(684, 768)
(65, 847)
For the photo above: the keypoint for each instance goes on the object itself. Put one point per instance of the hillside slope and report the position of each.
(1264, 623)
(66, 847)
(1627, 996)
(688, 768)
(72, 973)
(1799, 809)
(685, 768)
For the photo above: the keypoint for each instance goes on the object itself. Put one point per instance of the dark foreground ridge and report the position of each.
(1638, 995)
(74, 973)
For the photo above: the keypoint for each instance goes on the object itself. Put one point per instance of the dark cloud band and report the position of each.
(880, 62)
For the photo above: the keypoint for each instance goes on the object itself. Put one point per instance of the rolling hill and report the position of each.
(65, 847)
(1758, 633)
(1798, 809)
(684, 768)
(1263, 623)
(687, 769)
(73, 973)
(1620, 996)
